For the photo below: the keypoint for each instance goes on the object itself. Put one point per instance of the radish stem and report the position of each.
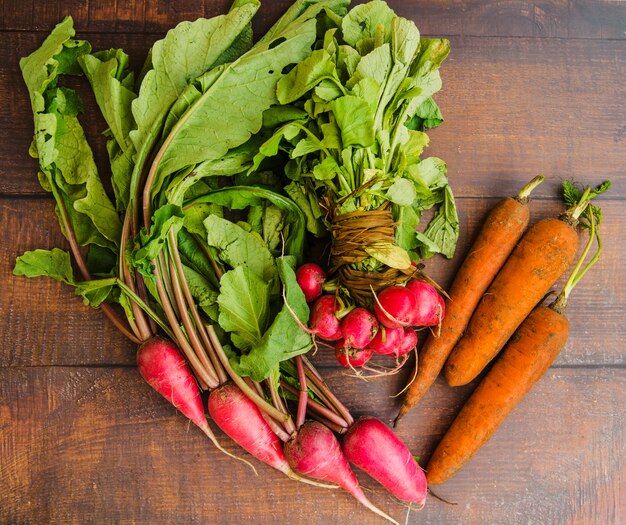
(82, 266)
(214, 360)
(258, 400)
(304, 393)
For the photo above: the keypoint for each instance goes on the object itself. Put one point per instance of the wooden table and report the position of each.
(530, 87)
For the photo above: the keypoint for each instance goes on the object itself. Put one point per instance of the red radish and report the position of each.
(310, 277)
(164, 368)
(428, 303)
(315, 452)
(387, 340)
(323, 321)
(241, 420)
(408, 343)
(395, 306)
(441, 312)
(374, 448)
(358, 328)
(352, 357)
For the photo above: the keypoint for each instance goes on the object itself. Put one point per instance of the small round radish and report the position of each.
(440, 313)
(352, 357)
(164, 368)
(428, 303)
(315, 452)
(323, 321)
(310, 277)
(408, 343)
(394, 307)
(374, 447)
(241, 420)
(387, 340)
(358, 328)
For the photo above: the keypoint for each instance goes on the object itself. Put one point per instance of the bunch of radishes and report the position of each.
(359, 333)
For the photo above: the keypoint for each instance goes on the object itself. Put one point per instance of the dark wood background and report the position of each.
(530, 87)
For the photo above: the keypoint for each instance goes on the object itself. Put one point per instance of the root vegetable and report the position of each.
(427, 310)
(315, 452)
(323, 320)
(540, 258)
(395, 307)
(310, 278)
(358, 328)
(387, 341)
(374, 448)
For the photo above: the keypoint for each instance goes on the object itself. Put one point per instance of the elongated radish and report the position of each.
(525, 359)
(164, 368)
(374, 448)
(241, 420)
(315, 452)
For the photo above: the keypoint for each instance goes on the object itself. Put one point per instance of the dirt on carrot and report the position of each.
(502, 228)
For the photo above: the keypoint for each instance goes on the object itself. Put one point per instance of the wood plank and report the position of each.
(596, 19)
(513, 108)
(91, 445)
(51, 326)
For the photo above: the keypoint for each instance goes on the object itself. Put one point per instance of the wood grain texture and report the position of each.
(587, 19)
(513, 107)
(69, 436)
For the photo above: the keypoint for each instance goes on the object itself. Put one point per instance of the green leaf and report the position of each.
(443, 230)
(406, 231)
(305, 76)
(362, 21)
(186, 52)
(166, 218)
(285, 338)
(65, 158)
(95, 292)
(202, 291)
(240, 197)
(313, 214)
(402, 192)
(405, 40)
(252, 77)
(326, 170)
(237, 247)
(355, 119)
(53, 263)
(108, 75)
(375, 65)
(390, 254)
(243, 306)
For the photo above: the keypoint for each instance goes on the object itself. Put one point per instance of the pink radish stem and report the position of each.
(304, 393)
(258, 400)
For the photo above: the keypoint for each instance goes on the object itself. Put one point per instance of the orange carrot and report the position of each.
(502, 228)
(529, 354)
(526, 358)
(545, 251)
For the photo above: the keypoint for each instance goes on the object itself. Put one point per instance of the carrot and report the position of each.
(526, 358)
(502, 228)
(545, 251)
